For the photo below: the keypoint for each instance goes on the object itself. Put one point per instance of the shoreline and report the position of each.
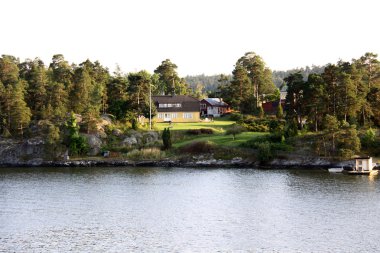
(207, 163)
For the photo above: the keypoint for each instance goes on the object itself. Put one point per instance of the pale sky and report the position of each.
(200, 36)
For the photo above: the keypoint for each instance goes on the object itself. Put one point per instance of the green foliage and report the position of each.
(166, 139)
(236, 117)
(253, 124)
(251, 79)
(234, 130)
(264, 152)
(135, 124)
(77, 144)
(368, 140)
(280, 112)
(53, 135)
(168, 81)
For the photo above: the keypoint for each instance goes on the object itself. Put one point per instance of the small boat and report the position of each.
(336, 170)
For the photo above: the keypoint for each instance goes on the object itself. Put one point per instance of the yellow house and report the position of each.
(179, 108)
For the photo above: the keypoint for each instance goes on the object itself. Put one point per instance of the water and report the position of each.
(187, 210)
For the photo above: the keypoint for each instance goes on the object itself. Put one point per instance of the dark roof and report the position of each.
(215, 102)
(363, 157)
(188, 103)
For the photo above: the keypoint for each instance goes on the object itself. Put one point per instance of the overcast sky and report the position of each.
(200, 36)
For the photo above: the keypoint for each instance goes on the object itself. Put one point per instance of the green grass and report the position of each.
(216, 125)
(221, 139)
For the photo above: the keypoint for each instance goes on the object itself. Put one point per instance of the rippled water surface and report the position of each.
(191, 210)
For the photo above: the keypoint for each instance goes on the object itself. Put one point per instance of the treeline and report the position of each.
(251, 84)
(279, 75)
(209, 84)
(33, 92)
(348, 91)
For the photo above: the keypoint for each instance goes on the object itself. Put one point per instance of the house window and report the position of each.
(360, 162)
(187, 115)
(174, 115)
(169, 105)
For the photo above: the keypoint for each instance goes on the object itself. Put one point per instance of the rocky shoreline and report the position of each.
(301, 163)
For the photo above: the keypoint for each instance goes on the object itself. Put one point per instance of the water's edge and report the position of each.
(312, 163)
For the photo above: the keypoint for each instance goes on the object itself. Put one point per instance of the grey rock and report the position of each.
(129, 142)
(94, 143)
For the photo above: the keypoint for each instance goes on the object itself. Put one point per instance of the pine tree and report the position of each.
(280, 112)
(20, 112)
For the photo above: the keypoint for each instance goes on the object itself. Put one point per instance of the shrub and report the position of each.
(198, 147)
(235, 130)
(264, 152)
(236, 117)
(144, 154)
(166, 138)
(199, 131)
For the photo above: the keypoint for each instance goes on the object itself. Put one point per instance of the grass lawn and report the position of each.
(218, 125)
(221, 139)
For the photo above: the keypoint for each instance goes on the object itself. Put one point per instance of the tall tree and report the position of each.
(294, 98)
(138, 90)
(35, 74)
(169, 82)
(20, 112)
(260, 76)
(117, 95)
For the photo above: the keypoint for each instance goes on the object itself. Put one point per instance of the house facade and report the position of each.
(176, 109)
(214, 107)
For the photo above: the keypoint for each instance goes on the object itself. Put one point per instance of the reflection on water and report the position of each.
(157, 209)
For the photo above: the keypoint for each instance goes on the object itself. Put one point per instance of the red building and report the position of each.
(271, 107)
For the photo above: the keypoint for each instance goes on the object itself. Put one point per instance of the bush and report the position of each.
(264, 152)
(166, 138)
(199, 131)
(236, 117)
(235, 130)
(144, 154)
(198, 147)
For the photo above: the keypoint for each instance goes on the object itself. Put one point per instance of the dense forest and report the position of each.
(32, 92)
(336, 98)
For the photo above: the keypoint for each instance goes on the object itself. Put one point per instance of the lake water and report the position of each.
(187, 210)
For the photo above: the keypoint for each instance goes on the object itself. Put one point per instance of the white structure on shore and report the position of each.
(363, 163)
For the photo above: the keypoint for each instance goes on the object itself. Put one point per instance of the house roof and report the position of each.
(188, 103)
(215, 102)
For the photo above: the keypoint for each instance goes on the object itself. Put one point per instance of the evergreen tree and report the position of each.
(294, 99)
(35, 74)
(280, 112)
(20, 113)
(169, 82)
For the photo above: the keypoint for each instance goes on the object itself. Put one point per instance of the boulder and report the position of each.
(129, 142)
(150, 137)
(94, 143)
